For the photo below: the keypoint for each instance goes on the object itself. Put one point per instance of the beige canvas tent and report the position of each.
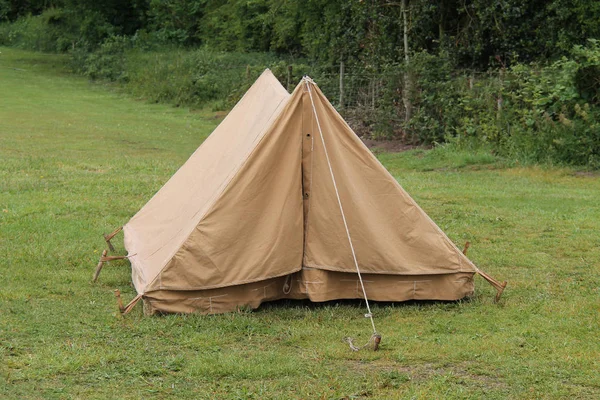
(283, 200)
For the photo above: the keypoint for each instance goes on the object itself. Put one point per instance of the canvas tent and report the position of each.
(283, 200)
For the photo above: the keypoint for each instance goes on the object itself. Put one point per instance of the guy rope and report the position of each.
(375, 337)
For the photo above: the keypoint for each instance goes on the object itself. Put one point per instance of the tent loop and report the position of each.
(369, 314)
(287, 285)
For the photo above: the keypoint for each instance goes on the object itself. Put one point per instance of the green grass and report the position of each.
(78, 160)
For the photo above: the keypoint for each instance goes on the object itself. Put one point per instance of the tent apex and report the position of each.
(308, 79)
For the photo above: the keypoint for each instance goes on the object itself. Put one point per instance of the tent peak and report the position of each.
(308, 79)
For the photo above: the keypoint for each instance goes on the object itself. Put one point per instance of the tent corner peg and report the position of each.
(100, 265)
(467, 244)
(105, 258)
(376, 341)
(373, 342)
(499, 292)
(110, 236)
(119, 301)
(497, 285)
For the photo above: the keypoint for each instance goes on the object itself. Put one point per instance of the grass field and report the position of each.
(78, 160)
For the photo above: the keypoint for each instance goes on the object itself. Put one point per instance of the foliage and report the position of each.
(193, 78)
(108, 62)
(176, 21)
(55, 30)
(519, 77)
(478, 33)
(529, 112)
(179, 76)
(553, 110)
(435, 97)
(4, 10)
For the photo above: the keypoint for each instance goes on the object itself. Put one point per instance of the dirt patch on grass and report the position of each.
(587, 174)
(390, 146)
(220, 114)
(461, 373)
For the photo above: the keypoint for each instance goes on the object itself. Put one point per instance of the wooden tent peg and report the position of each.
(119, 301)
(467, 244)
(100, 265)
(110, 236)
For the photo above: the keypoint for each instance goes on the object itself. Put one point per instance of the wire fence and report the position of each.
(388, 105)
(366, 100)
(381, 104)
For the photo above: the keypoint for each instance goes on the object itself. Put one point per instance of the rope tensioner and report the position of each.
(110, 236)
(104, 257)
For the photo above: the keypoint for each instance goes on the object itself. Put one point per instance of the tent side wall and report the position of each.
(390, 233)
(253, 231)
(321, 285)
(158, 230)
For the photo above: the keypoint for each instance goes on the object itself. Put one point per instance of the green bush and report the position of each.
(529, 112)
(553, 110)
(5, 8)
(34, 32)
(108, 62)
(56, 30)
(192, 78)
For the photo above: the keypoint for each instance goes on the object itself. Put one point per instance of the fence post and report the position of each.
(373, 94)
(408, 79)
(341, 85)
(289, 77)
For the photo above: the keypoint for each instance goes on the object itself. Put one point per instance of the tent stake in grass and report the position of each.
(119, 301)
(104, 258)
(99, 266)
(110, 236)
(467, 244)
(497, 285)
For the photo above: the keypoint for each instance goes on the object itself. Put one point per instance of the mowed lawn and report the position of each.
(77, 160)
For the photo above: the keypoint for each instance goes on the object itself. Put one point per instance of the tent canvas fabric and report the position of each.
(253, 216)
